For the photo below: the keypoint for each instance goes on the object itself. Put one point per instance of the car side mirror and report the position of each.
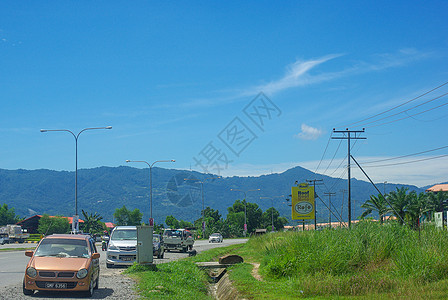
(95, 255)
(29, 253)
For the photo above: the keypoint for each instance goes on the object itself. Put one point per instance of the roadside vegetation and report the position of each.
(370, 260)
(180, 279)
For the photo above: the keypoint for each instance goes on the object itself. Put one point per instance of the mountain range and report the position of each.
(175, 192)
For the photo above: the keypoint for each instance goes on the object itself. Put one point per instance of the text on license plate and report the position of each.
(127, 258)
(56, 285)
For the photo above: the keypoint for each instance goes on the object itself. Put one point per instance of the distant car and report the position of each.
(178, 239)
(158, 246)
(215, 238)
(4, 238)
(122, 248)
(63, 262)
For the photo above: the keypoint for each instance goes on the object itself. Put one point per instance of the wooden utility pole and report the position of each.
(329, 194)
(320, 181)
(347, 135)
(342, 203)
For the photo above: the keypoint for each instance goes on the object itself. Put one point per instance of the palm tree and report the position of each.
(399, 200)
(436, 201)
(378, 204)
(416, 207)
(92, 222)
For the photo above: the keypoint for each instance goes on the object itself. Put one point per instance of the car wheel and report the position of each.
(163, 254)
(25, 291)
(109, 265)
(184, 249)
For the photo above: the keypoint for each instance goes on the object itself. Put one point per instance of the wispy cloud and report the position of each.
(309, 133)
(295, 76)
(299, 74)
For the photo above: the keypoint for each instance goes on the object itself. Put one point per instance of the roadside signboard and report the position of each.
(303, 204)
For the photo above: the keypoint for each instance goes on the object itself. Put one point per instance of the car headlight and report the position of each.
(82, 273)
(112, 247)
(31, 272)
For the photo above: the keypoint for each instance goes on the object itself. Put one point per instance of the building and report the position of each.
(438, 187)
(32, 223)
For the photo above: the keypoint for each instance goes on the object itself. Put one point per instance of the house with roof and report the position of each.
(32, 223)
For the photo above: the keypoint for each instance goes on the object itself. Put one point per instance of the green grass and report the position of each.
(15, 249)
(369, 261)
(181, 279)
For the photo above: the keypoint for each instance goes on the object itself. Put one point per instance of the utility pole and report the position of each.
(347, 135)
(342, 204)
(329, 194)
(320, 181)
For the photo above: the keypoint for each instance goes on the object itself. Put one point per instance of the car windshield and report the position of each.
(215, 235)
(128, 234)
(63, 248)
(173, 233)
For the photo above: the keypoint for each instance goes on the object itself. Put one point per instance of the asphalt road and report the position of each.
(112, 284)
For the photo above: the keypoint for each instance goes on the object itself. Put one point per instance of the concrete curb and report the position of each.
(225, 290)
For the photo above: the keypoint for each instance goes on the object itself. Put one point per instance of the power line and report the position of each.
(325, 151)
(409, 116)
(408, 162)
(398, 157)
(395, 107)
(336, 152)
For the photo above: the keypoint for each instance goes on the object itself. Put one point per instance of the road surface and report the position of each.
(112, 284)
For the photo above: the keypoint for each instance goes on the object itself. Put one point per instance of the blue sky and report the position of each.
(182, 80)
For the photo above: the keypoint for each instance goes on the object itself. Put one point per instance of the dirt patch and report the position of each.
(256, 267)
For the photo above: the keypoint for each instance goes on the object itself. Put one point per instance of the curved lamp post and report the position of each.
(272, 210)
(245, 205)
(202, 192)
(151, 220)
(76, 136)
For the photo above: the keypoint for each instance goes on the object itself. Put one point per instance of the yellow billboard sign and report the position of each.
(303, 205)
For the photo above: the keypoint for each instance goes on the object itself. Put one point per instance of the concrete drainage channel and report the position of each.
(222, 288)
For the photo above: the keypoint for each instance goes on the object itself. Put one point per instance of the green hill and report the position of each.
(104, 189)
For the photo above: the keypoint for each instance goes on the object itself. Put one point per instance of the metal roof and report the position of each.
(438, 187)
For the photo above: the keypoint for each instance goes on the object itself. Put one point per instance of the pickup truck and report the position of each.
(178, 239)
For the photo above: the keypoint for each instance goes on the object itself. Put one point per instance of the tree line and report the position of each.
(231, 226)
(406, 206)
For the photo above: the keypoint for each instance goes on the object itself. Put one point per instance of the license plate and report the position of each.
(56, 285)
(128, 258)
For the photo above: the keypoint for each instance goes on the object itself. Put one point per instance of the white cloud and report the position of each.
(309, 133)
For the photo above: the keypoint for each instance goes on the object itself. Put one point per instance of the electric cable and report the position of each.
(403, 156)
(408, 162)
(397, 106)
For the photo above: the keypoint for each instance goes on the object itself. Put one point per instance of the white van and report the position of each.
(122, 248)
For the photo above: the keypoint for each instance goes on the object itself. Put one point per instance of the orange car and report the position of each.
(63, 262)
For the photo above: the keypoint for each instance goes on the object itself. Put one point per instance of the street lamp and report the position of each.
(76, 136)
(202, 191)
(245, 213)
(272, 210)
(151, 220)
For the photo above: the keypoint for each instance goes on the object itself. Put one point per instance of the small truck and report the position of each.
(178, 239)
(15, 233)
